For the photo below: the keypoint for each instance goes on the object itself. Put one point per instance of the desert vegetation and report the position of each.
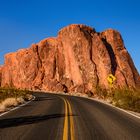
(10, 97)
(128, 99)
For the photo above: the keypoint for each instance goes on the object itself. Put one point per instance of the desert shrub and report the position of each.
(10, 97)
(101, 93)
(15, 93)
(127, 99)
(10, 102)
(124, 98)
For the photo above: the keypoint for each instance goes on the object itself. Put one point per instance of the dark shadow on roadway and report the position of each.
(43, 98)
(12, 122)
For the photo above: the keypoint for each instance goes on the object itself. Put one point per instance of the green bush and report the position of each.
(11, 92)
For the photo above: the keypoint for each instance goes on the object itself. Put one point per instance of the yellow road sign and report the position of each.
(111, 78)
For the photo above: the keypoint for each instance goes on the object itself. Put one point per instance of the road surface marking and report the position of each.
(71, 121)
(65, 132)
(68, 113)
(17, 107)
(120, 109)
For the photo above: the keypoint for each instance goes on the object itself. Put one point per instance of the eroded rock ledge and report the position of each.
(79, 59)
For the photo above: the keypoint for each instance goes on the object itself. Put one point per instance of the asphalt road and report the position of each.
(58, 117)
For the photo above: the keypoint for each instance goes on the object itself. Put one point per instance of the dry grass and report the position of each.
(10, 102)
(127, 99)
(10, 97)
(124, 98)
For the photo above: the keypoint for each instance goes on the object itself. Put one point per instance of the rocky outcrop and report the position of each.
(79, 59)
(0, 74)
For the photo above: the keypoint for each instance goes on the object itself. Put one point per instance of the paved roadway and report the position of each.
(58, 117)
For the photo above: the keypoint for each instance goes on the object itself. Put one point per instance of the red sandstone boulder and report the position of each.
(79, 59)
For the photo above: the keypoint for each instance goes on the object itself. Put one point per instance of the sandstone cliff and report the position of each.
(78, 59)
(0, 74)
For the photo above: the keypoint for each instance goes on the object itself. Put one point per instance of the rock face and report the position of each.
(0, 74)
(79, 59)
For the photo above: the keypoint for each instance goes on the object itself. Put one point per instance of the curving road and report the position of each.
(59, 117)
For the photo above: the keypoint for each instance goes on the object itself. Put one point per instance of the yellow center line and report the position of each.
(68, 114)
(71, 121)
(65, 132)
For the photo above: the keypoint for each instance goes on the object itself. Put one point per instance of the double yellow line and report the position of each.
(68, 118)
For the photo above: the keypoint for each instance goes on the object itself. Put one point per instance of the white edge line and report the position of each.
(116, 108)
(127, 112)
(105, 104)
(17, 107)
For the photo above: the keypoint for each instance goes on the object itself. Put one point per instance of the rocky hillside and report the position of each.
(79, 59)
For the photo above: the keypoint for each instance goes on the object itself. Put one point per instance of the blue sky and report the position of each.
(23, 22)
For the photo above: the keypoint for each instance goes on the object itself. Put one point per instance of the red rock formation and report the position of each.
(78, 59)
(0, 74)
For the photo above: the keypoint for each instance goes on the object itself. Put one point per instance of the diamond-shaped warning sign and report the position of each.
(111, 78)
